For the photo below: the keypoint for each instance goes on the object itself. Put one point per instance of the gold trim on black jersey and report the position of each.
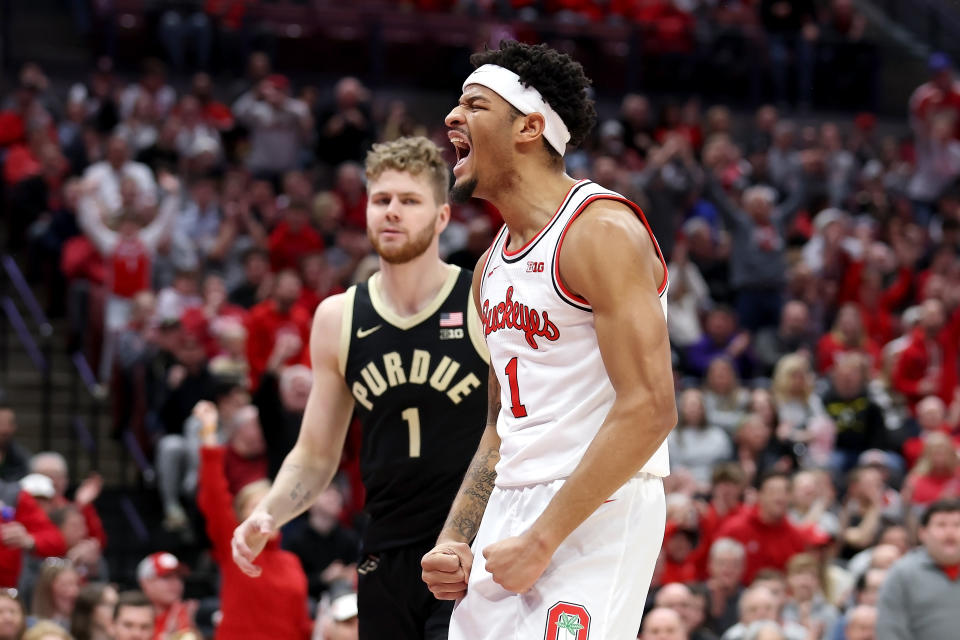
(346, 326)
(404, 323)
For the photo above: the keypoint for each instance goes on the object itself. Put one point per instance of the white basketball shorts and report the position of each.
(594, 587)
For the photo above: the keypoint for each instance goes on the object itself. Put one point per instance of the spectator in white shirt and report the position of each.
(108, 175)
(278, 126)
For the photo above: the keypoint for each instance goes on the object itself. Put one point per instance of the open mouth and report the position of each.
(462, 146)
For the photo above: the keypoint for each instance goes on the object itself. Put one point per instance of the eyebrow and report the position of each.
(474, 98)
(403, 194)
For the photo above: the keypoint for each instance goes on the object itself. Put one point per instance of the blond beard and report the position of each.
(418, 243)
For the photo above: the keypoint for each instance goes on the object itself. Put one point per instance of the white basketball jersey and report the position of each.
(555, 392)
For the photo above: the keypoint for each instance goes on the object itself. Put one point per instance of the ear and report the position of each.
(443, 218)
(531, 127)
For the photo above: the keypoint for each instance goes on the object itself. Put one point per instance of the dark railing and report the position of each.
(934, 22)
(42, 354)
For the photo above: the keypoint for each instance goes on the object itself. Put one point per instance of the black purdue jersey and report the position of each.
(420, 386)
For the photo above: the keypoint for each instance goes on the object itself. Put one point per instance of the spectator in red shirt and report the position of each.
(319, 281)
(160, 577)
(271, 317)
(199, 320)
(293, 238)
(25, 527)
(847, 334)
(937, 475)
(928, 364)
(932, 417)
(764, 530)
(726, 500)
(282, 589)
(54, 466)
(352, 194)
(939, 94)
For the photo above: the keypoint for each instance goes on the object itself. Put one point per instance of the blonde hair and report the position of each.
(781, 377)
(44, 629)
(50, 569)
(248, 491)
(415, 155)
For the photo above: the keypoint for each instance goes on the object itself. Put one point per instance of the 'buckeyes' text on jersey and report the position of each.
(555, 391)
(420, 390)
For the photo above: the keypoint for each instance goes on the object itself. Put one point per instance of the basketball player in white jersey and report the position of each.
(572, 295)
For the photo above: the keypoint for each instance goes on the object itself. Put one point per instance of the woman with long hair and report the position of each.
(802, 418)
(695, 444)
(13, 618)
(93, 613)
(55, 593)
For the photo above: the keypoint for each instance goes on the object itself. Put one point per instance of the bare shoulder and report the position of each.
(609, 243)
(328, 319)
(478, 277)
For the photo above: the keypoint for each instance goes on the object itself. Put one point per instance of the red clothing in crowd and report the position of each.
(924, 359)
(264, 322)
(913, 447)
(195, 322)
(685, 571)
(80, 259)
(830, 346)
(20, 164)
(241, 471)
(170, 621)
(90, 516)
(928, 488)
(12, 128)
(710, 524)
(287, 246)
(130, 268)
(280, 590)
(928, 99)
(769, 546)
(46, 536)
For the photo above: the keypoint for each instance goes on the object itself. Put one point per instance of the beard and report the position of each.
(462, 192)
(413, 248)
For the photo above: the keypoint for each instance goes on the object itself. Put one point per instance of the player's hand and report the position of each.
(518, 562)
(249, 539)
(446, 570)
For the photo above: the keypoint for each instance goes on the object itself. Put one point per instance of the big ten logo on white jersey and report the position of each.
(418, 371)
(534, 266)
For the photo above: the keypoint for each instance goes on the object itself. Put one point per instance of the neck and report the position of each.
(529, 200)
(409, 287)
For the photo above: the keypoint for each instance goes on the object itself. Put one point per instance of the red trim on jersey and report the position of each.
(511, 254)
(604, 196)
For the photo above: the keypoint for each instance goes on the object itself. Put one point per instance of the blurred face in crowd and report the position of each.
(403, 216)
(295, 384)
(190, 352)
(54, 468)
(247, 438)
(753, 434)
(721, 378)
(255, 268)
(804, 490)
(896, 536)
(204, 193)
(940, 452)
(795, 319)
(678, 597)
(8, 426)
(773, 499)
(758, 603)
(64, 589)
(847, 377)
(884, 555)
(12, 621)
(803, 585)
(214, 291)
(726, 569)
(73, 528)
(163, 591)
(932, 316)
(287, 289)
(133, 623)
(758, 204)
(848, 322)
(761, 404)
(862, 623)
(872, 582)
(720, 326)
(691, 408)
(326, 510)
(663, 624)
(103, 612)
(117, 151)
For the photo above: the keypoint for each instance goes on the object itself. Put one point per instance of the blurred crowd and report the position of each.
(188, 233)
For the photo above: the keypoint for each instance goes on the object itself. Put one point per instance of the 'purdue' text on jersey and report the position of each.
(420, 389)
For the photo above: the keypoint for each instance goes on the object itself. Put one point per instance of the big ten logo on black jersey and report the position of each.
(418, 368)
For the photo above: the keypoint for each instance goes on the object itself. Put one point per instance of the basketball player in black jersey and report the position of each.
(405, 352)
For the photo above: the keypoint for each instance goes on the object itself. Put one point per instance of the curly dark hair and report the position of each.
(558, 77)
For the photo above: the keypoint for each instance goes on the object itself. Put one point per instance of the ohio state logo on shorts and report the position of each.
(567, 621)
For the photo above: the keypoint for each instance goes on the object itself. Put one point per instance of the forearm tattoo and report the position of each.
(465, 518)
(302, 493)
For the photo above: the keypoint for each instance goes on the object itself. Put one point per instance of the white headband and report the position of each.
(526, 99)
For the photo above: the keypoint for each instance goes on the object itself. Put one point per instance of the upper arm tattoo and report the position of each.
(493, 398)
